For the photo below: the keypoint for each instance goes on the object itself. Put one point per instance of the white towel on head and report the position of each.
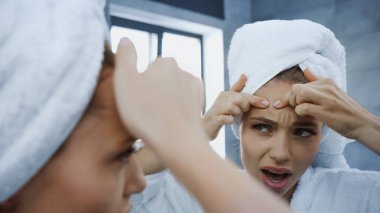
(51, 53)
(263, 49)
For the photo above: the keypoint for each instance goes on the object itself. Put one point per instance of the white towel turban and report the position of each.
(50, 58)
(263, 49)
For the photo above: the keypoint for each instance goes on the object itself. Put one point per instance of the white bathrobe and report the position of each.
(320, 190)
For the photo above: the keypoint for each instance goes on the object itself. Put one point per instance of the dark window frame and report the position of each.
(159, 30)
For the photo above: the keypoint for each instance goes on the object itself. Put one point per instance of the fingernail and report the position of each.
(276, 103)
(264, 103)
(125, 40)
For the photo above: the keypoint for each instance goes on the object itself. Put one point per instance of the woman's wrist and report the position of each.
(183, 137)
(369, 133)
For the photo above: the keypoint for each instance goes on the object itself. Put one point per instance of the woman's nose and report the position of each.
(135, 181)
(280, 149)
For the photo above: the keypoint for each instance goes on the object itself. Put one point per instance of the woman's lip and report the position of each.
(280, 170)
(275, 185)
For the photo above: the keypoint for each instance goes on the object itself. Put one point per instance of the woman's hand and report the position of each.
(156, 104)
(323, 99)
(229, 104)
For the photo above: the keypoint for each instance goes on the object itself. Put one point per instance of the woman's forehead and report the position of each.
(287, 114)
(273, 90)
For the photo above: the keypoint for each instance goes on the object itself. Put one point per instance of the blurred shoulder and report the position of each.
(346, 174)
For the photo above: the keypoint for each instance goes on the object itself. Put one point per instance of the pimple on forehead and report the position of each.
(273, 90)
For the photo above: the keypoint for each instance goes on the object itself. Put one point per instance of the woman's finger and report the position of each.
(258, 101)
(291, 98)
(126, 58)
(232, 109)
(225, 119)
(299, 93)
(310, 76)
(239, 84)
(237, 98)
(313, 110)
(246, 101)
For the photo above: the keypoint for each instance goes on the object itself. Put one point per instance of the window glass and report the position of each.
(145, 43)
(186, 50)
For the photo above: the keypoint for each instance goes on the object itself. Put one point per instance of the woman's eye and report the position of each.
(262, 128)
(304, 133)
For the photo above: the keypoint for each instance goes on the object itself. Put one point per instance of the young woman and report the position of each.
(287, 146)
(68, 121)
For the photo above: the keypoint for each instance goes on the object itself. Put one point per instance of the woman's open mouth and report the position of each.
(275, 178)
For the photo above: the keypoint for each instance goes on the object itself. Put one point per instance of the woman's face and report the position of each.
(277, 146)
(94, 171)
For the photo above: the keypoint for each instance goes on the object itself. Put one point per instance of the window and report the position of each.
(186, 50)
(200, 52)
(152, 41)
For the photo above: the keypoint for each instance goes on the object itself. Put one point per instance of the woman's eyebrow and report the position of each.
(295, 123)
(266, 120)
(304, 123)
